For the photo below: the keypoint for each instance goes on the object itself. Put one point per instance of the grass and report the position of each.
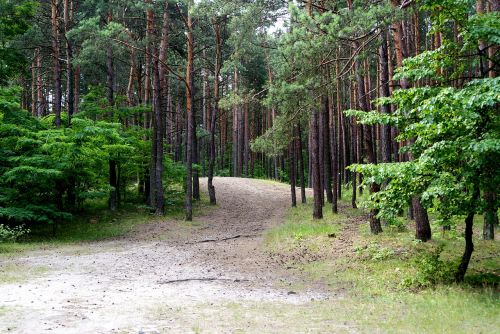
(443, 310)
(17, 273)
(299, 229)
(387, 281)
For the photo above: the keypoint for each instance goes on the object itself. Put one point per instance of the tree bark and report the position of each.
(327, 151)
(334, 153)
(189, 116)
(215, 111)
(301, 165)
(316, 176)
(39, 85)
(423, 228)
(69, 58)
(56, 54)
(375, 225)
(469, 248)
(292, 169)
(490, 215)
(385, 133)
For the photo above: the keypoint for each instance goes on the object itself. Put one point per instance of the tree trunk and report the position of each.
(70, 91)
(469, 248)
(56, 54)
(39, 86)
(196, 176)
(469, 245)
(76, 88)
(293, 168)
(334, 156)
(315, 174)
(110, 77)
(327, 154)
(189, 116)
(34, 74)
(301, 165)
(423, 228)
(215, 111)
(490, 215)
(113, 183)
(385, 133)
(375, 225)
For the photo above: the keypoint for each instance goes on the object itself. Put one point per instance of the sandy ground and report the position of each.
(162, 279)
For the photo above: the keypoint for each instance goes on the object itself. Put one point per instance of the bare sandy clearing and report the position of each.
(145, 281)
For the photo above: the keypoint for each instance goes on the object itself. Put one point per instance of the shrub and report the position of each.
(8, 234)
(431, 270)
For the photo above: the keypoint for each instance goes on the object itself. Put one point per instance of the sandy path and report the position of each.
(123, 286)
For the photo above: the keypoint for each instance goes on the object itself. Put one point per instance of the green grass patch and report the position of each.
(448, 310)
(15, 272)
(392, 282)
(299, 226)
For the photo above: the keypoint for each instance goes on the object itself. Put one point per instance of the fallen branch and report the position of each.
(223, 239)
(206, 279)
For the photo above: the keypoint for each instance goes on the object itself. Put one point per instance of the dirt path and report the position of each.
(161, 279)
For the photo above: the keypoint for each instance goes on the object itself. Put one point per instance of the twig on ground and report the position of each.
(202, 279)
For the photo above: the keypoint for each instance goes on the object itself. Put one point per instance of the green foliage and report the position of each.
(223, 172)
(47, 174)
(8, 234)
(430, 270)
(374, 252)
(457, 143)
(14, 21)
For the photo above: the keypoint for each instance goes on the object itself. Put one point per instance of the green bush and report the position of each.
(374, 252)
(431, 270)
(8, 234)
(223, 172)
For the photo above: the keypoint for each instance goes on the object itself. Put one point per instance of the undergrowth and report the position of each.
(394, 277)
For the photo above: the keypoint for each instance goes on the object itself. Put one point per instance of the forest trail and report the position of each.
(165, 277)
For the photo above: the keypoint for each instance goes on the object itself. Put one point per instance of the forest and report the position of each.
(293, 158)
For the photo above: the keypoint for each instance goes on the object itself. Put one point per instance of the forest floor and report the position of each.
(164, 276)
(235, 268)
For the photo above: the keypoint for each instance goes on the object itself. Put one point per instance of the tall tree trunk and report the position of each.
(301, 165)
(76, 88)
(34, 75)
(416, 210)
(493, 50)
(56, 54)
(334, 155)
(160, 104)
(490, 215)
(235, 140)
(246, 139)
(189, 116)
(113, 181)
(196, 176)
(110, 76)
(39, 85)
(327, 151)
(215, 110)
(315, 174)
(469, 248)
(70, 91)
(375, 225)
(385, 134)
(399, 45)
(292, 168)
